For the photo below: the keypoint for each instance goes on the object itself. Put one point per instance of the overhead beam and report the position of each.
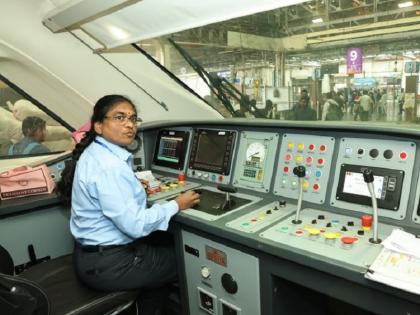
(243, 40)
(78, 12)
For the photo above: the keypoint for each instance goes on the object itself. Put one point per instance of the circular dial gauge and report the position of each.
(255, 152)
(135, 145)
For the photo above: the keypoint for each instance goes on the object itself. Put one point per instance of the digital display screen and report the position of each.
(387, 186)
(212, 151)
(355, 184)
(171, 149)
(216, 256)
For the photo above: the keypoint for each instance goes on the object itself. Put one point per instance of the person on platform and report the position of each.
(120, 243)
(34, 131)
(302, 110)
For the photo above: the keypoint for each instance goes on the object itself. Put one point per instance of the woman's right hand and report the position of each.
(187, 200)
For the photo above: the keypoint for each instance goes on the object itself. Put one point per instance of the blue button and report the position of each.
(318, 173)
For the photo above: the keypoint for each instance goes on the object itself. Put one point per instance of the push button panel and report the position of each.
(262, 217)
(333, 236)
(315, 153)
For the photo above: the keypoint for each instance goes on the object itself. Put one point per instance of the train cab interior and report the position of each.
(296, 121)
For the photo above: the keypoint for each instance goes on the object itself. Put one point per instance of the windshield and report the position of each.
(320, 60)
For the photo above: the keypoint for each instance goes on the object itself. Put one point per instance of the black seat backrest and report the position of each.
(6, 262)
(22, 297)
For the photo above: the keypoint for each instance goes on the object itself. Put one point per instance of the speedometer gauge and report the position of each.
(255, 152)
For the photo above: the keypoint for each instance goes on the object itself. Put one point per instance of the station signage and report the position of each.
(354, 60)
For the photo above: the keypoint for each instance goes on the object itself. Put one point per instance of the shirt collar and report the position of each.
(122, 153)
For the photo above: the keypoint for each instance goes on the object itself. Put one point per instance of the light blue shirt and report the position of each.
(108, 202)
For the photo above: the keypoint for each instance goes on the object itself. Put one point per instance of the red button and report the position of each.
(309, 160)
(347, 240)
(288, 157)
(220, 178)
(285, 169)
(315, 186)
(403, 155)
(322, 147)
(367, 220)
(320, 161)
(311, 147)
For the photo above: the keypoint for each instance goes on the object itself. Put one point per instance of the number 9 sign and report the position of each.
(354, 60)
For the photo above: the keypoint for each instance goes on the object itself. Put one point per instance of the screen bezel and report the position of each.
(392, 198)
(224, 169)
(176, 134)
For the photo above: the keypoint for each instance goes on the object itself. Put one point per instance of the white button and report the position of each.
(205, 272)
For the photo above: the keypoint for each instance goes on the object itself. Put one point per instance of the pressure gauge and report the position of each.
(135, 145)
(255, 152)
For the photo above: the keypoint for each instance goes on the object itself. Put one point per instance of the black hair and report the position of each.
(101, 108)
(32, 123)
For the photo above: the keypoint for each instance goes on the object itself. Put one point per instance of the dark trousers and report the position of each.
(147, 264)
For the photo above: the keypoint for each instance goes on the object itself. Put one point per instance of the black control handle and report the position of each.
(299, 171)
(227, 188)
(368, 175)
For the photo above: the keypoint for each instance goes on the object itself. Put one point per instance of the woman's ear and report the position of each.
(98, 127)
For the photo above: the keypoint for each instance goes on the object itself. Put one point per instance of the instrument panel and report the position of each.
(264, 162)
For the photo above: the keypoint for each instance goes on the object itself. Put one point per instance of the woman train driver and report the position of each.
(119, 241)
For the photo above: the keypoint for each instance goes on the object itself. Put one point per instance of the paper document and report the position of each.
(148, 176)
(398, 264)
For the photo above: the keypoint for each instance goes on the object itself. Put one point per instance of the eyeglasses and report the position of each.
(122, 119)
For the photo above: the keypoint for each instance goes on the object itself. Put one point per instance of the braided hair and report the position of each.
(100, 110)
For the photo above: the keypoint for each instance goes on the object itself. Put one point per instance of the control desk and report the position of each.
(286, 223)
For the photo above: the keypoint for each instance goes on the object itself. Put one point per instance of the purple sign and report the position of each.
(354, 60)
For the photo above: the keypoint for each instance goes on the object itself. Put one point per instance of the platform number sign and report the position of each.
(354, 60)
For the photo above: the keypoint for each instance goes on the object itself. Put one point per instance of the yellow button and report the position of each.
(299, 158)
(314, 231)
(173, 185)
(307, 227)
(290, 145)
(305, 184)
(300, 146)
(164, 187)
(330, 235)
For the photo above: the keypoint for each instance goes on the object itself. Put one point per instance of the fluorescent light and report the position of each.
(117, 32)
(405, 4)
(317, 20)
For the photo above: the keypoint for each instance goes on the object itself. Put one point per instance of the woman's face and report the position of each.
(119, 125)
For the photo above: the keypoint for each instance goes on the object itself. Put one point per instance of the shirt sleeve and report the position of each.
(123, 201)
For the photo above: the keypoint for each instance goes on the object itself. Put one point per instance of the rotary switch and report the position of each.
(229, 284)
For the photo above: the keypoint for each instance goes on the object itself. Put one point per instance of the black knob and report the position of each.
(344, 229)
(299, 171)
(368, 175)
(374, 153)
(282, 203)
(329, 224)
(313, 221)
(229, 284)
(360, 232)
(350, 223)
(388, 154)
(321, 217)
(268, 211)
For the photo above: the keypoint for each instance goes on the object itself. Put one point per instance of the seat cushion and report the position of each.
(68, 295)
